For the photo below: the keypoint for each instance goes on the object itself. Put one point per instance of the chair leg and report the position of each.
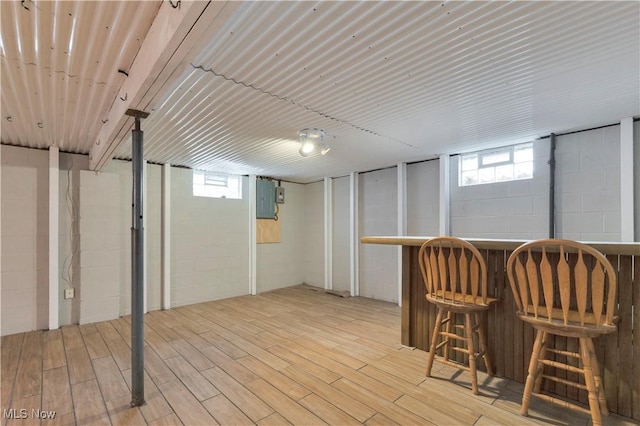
(531, 377)
(542, 355)
(472, 353)
(434, 341)
(604, 410)
(484, 347)
(445, 349)
(587, 358)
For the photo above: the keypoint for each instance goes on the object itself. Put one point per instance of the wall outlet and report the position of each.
(69, 293)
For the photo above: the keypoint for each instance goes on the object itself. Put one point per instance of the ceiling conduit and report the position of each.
(552, 186)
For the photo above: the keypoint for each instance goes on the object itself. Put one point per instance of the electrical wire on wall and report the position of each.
(72, 209)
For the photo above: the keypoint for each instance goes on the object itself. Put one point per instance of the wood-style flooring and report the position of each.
(291, 356)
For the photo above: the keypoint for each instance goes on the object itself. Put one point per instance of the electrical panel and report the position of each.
(265, 199)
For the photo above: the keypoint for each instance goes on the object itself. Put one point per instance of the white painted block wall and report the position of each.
(69, 236)
(282, 264)
(153, 212)
(314, 234)
(517, 209)
(25, 233)
(587, 194)
(209, 243)
(588, 185)
(213, 264)
(123, 170)
(378, 215)
(341, 274)
(99, 210)
(423, 198)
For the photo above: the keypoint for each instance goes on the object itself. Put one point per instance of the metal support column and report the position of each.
(137, 264)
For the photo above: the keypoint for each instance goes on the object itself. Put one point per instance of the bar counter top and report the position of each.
(629, 249)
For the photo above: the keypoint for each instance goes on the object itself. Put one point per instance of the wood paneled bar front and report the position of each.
(511, 340)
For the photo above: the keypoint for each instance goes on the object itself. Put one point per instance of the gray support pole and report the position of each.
(137, 270)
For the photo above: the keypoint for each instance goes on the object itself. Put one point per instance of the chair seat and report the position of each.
(459, 302)
(573, 328)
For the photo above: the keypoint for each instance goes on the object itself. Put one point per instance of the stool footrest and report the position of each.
(566, 382)
(565, 353)
(557, 364)
(452, 335)
(562, 402)
(452, 364)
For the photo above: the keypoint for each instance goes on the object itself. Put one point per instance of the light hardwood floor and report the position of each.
(291, 356)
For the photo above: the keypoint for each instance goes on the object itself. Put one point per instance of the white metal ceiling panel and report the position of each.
(60, 63)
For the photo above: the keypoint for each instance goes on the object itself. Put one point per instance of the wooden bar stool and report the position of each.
(564, 288)
(455, 276)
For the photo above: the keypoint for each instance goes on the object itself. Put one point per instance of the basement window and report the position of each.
(497, 165)
(216, 185)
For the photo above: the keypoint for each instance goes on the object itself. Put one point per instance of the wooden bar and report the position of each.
(511, 341)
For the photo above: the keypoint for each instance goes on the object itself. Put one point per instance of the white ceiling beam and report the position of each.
(173, 34)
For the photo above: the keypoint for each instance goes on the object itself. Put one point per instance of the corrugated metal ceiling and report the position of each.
(60, 63)
(389, 81)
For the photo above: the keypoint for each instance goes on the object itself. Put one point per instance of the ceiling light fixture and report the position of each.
(312, 141)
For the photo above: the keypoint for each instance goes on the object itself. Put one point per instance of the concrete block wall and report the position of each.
(95, 217)
(378, 215)
(123, 170)
(588, 185)
(214, 264)
(153, 233)
(69, 235)
(152, 212)
(341, 264)
(517, 209)
(209, 243)
(314, 234)
(587, 194)
(423, 198)
(25, 236)
(282, 264)
(99, 210)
